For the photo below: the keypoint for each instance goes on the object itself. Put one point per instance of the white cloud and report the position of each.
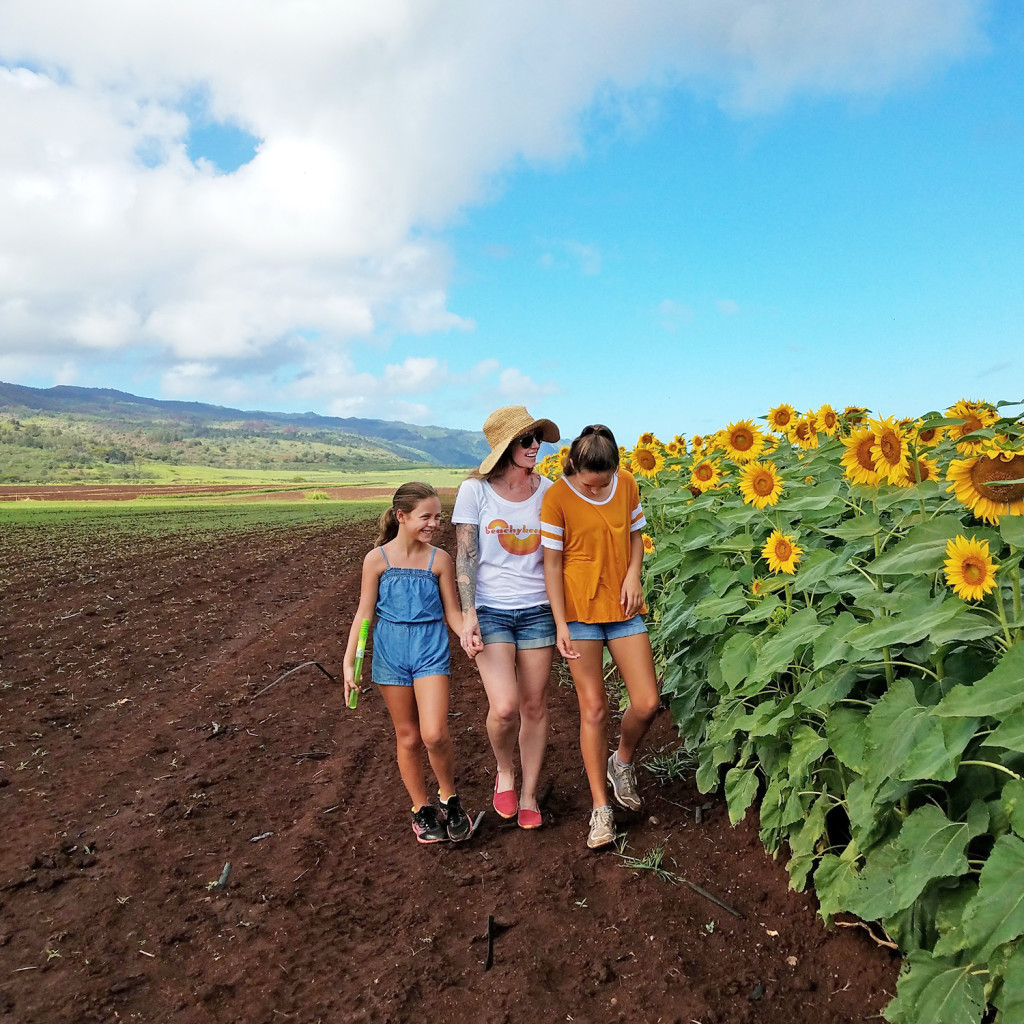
(377, 124)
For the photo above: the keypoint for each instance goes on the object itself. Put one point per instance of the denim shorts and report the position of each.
(527, 628)
(606, 631)
(403, 652)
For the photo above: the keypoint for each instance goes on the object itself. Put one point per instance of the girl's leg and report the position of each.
(533, 672)
(432, 701)
(588, 678)
(497, 664)
(632, 655)
(401, 705)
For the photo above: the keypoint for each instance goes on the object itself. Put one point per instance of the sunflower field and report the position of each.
(835, 607)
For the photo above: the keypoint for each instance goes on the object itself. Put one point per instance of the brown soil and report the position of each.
(141, 751)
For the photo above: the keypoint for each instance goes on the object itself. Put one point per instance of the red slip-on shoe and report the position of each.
(505, 803)
(529, 819)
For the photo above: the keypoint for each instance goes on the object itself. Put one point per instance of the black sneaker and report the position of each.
(427, 826)
(459, 825)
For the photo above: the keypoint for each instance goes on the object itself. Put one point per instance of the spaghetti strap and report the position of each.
(384, 553)
(430, 564)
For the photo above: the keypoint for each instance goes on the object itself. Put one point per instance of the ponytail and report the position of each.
(594, 451)
(406, 498)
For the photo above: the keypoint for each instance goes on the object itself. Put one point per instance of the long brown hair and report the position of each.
(406, 498)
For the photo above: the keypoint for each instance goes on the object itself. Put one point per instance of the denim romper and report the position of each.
(410, 639)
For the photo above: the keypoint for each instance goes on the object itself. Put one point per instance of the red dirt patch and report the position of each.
(138, 756)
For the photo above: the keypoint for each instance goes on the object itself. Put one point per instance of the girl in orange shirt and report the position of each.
(591, 523)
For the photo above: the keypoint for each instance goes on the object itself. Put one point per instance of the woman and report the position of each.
(507, 623)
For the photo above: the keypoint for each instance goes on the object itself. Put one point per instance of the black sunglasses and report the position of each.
(527, 440)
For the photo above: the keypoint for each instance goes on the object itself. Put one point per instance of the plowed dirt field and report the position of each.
(147, 740)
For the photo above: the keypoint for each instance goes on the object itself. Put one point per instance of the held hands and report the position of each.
(631, 597)
(469, 638)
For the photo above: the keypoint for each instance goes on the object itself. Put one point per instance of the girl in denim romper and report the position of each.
(408, 585)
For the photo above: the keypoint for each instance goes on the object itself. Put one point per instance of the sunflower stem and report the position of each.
(996, 766)
(1001, 608)
(1015, 584)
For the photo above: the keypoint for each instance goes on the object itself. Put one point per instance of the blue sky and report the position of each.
(663, 222)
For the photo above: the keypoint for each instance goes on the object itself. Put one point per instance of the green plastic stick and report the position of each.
(357, 670)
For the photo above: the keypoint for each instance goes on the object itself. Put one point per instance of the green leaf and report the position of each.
(996, 914)
(847, 736)
(803, 843)
(740, 790)
(923, 550)
(716, 607)
(929, 846)
(1010, 1000)
(1010, 733)
(762, 610)
(834, 879)
(807, 747)
(1011, 529)
(903, 742)
(1012, 800)
(831, 645)
(739, 656)
(911, 624)
(937, 992)
(778, 652)
(852, 529)
(995, 694)
(965, 625)
(817, 498)
(817, 568)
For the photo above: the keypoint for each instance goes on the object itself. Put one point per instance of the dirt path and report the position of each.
(138, 757)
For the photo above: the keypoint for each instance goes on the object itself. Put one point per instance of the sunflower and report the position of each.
(760, 484)
(781, 553)
(705, 475)
(805, 432)
(647, 440)
(828, 421)
(680, 440)
(648, 544)
(673, 448)
(697, 441)
(854, 415)
(969, 570)
(889, 450)
(781, 418)
(975, 416)
(646, 461)
(926, 470)
(742, 441)
(929, 436)
(989, 485)
(857, 459)
(756, 586)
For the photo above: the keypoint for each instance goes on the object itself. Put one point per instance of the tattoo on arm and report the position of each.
(466, 560)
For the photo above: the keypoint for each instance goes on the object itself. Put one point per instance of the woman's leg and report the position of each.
(497, 665)
(632, 655)
(401, 705)
(432, 701)
(533, 672)
(588, 678)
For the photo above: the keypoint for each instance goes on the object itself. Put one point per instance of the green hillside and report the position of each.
(64, 434)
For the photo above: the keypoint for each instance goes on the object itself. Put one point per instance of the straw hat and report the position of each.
(504, 425)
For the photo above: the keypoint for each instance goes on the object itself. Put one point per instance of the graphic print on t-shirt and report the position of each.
(515, 540)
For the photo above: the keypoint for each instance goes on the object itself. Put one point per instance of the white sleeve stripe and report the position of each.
(547, 542)
(555, 531)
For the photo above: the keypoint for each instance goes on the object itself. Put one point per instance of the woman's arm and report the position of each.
(373, 566)
(467, 558)
(631, 596)
(555, 587)
(445, 572)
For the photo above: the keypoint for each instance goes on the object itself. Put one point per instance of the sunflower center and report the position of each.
(762, 484)
(783, 549)
(802, 430)
(890, 447)
(988, 476)
(927, 435)
(704, 471)
(645, 458)
(782, 417)
(831, 419)
(742, 440)
(973, 572)
(863, 450)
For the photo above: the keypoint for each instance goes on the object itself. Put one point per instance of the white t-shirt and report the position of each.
(510, 571)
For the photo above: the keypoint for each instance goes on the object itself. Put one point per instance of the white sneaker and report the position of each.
(602, 827)
(622, 779)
